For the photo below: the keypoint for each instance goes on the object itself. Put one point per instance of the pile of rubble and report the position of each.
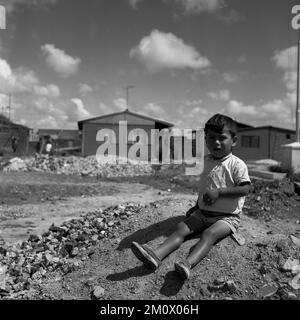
(84, 166)
(293, 267)
(269, 198)
(61, 249)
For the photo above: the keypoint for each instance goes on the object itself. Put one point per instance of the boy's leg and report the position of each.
(189, 226)
(152, 257)
(209, 237)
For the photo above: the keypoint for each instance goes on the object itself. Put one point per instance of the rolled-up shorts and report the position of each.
(207, 219)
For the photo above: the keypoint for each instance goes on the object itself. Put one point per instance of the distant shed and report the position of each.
(262, 142)
(88, 128)
(64, 140)
(8, 129)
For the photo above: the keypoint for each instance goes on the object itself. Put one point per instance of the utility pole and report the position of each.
(296, 26)
(298, 90)
(127, 94)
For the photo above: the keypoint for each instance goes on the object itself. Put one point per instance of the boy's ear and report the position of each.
(234, 139)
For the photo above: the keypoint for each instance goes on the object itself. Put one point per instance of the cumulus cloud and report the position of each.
(285, 59)
(46, 113)
(162, 50)
(192, 114)
(5, 70)
(20, 79)
(154, 109)
(84, 89)
(120, 103)
(277, 112)
(134, 3)
(104, 109)
(198, 6)
(41, 112)
(229, 16)
(230, 77)
(238, 108)
(62, 63)
(50, 90)
(80, 111)
(48, 122)
(222, 95)
(24, 80)
(36, 104)
(184, 109)
(193, 118)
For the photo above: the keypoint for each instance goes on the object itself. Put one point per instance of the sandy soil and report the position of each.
(32, 202)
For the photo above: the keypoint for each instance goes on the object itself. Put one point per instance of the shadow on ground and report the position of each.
(172, 285)
(139, 271)
(162, 228)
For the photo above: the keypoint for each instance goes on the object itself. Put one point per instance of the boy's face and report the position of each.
(220, 144)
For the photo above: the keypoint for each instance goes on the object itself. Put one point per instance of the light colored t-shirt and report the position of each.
(227, 172)
(48, 147)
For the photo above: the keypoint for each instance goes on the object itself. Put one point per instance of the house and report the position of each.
(263, 142)
(8, 130)
(88, 129)
(63, 140)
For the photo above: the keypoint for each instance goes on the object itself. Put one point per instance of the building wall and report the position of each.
(5, 134)
(270, 141)
(279, 138)
(20, 132)
(253, 153)
(89, 133)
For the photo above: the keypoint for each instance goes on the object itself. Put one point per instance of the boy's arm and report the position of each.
(241, 190)
(191, 210)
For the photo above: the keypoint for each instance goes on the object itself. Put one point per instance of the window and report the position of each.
(250, 141)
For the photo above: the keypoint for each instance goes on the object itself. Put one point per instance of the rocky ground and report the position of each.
(68, 237)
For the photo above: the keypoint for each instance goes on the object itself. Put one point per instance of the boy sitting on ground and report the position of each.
(224, 183)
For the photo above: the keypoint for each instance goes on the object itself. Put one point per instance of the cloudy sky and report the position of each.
(68, 60)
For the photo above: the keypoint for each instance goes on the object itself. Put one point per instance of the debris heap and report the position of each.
(61, 249)
(88, 166)
(270, 198)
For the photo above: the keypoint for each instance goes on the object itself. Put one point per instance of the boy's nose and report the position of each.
(217, 142)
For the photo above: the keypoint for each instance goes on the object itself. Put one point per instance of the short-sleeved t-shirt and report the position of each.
(227, 172)
(48, 147)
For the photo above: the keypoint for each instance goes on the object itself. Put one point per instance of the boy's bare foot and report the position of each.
(183, 270)
(146, 255)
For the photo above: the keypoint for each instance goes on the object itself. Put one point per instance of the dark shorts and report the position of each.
(200, 219)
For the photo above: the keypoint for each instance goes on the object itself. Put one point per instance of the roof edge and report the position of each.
(129, 112)
(267, 127)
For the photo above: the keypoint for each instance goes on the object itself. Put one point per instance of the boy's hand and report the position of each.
(210, 196)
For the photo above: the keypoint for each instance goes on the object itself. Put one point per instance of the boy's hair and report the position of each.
(217, 123)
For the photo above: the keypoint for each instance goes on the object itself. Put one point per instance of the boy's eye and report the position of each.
(221, 138)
